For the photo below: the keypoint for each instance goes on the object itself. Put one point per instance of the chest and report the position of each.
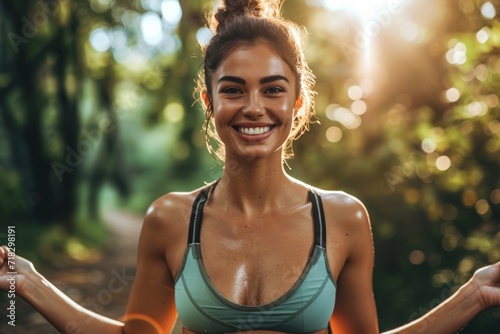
(256, 262)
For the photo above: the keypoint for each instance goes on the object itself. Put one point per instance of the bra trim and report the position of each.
(313, 259)
(263, 308)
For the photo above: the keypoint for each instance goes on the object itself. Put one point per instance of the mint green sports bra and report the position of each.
(306, 307)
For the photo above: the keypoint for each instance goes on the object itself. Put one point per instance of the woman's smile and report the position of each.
(253, 133)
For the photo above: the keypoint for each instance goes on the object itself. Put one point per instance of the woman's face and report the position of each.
(254, 102)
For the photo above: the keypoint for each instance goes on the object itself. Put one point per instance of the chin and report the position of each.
(253, 155)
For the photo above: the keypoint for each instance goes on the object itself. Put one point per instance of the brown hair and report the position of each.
(246, 22)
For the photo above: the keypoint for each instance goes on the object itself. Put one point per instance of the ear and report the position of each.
(206, 99)
(298, 105)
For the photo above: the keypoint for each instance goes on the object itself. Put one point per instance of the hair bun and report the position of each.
(234, 8)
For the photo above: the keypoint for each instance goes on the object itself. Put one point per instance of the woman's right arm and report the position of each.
(151, 307)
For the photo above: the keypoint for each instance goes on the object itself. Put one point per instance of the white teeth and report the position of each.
(254, 131)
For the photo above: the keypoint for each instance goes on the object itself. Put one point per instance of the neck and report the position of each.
(253, 186)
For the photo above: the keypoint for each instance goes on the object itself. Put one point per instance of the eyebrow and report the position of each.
(264, 80)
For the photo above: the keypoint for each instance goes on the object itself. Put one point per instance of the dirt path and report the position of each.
(102, 286)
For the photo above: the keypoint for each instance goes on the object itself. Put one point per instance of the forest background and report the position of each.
(97, 112)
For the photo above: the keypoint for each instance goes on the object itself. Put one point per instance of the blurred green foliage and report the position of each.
(96, 112)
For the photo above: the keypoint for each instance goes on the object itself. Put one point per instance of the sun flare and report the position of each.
(359, 7)
(373, 16)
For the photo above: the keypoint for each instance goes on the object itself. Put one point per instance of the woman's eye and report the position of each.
(231, 90)
(274, 90)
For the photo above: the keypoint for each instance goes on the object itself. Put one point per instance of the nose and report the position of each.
(254, 106)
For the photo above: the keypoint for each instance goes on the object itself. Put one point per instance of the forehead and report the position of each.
(255, 60)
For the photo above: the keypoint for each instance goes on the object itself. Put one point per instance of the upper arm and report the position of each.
(151, 306)
(355, 310)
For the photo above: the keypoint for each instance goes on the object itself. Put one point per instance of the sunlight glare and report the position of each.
(374, 16)
(362, 7)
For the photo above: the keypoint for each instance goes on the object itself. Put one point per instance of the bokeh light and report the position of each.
(154, 5)
(481, 72)
(428, 145)
(355, 93)
(495, 196)
(173, 112)
(482, 206)
(492, 100)
(203, 35)
(100, 6)
(359, 107)
(457, 55)
(417, 257)
(333, 134)
(452, 94)
(443, 163)
(469, 198)
(171, 12)
(483, 35)
(343, 116)
(475, 109)
(100, 39)
(151, 28)
(488, 11)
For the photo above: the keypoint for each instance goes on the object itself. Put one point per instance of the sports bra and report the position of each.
(306, 307)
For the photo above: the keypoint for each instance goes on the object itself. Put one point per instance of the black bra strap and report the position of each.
(319, 219)
(197, 214)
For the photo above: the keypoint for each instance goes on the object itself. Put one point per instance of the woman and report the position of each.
(278, 255)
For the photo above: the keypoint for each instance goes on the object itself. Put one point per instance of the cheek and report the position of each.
(221, 117)
(287, 111)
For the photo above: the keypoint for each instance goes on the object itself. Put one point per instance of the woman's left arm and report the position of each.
(350, 249)
(481, 292)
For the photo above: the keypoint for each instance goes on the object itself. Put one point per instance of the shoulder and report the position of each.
(345, 211)
(169, 214)
(164, 233)
(343, 205)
